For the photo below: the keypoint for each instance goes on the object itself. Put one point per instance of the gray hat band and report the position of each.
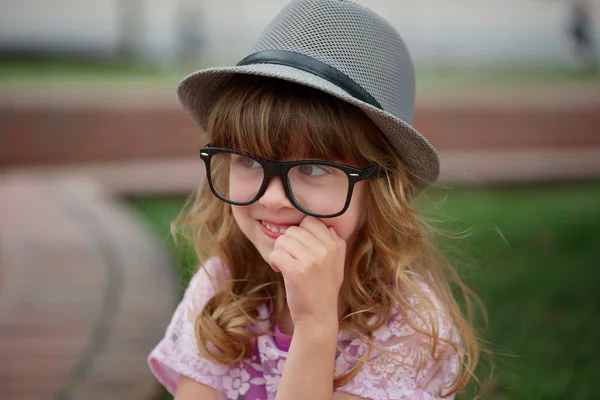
(313, 66)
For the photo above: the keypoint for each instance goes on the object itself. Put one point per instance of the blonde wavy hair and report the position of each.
(273, 119)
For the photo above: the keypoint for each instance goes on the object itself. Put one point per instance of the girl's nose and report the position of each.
(274, 196)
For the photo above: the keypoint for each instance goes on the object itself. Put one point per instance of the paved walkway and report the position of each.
(85, 292)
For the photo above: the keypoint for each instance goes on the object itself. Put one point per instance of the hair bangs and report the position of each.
(280, 121)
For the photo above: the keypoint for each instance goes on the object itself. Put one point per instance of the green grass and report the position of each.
(159, 212)
(428, 78)
(535, 263)
(540, 284)
(81, 75)
(65, 70)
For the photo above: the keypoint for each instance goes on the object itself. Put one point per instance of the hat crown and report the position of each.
(352, 39)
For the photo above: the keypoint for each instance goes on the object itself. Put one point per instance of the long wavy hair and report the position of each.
(273, 119)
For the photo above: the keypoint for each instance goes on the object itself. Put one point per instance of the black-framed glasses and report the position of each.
(318, 188)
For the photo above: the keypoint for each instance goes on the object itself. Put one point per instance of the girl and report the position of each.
(316, 279)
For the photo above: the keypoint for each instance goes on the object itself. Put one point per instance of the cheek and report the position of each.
(240, 215)
(349, 224)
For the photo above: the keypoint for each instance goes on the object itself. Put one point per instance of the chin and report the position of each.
(264, 249)
(265, 255)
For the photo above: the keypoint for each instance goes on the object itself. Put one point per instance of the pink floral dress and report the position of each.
(258, 378)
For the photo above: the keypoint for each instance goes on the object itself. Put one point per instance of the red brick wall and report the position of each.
(58, 135)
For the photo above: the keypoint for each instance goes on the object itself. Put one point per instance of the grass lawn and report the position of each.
(535, 257)
(75, 76)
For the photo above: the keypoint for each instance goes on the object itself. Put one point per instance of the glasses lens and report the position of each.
(319, 189)
(235, 177)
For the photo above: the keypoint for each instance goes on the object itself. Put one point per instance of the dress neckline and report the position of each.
(282, 340)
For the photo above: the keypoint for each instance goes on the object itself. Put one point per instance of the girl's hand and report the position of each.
(311, 258)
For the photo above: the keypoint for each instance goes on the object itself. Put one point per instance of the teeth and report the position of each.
(273, 228)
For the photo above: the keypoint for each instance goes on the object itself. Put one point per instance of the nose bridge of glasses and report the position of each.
(276, 180)
(275, 174)
(274, 169)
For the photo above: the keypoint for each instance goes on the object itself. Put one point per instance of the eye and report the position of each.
(249, 162)
(312, 170)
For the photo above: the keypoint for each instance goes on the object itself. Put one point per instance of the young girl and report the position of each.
(316, 279)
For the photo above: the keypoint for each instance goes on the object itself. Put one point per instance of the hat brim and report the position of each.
(197, 95)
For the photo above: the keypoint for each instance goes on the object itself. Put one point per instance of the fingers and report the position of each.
(341, 244)
(291, 245)
(310, 243)
(316, 227)
(324, 234)
(303, 236)
(281, 261)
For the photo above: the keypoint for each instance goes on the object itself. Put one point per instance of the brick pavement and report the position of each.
(85, 292)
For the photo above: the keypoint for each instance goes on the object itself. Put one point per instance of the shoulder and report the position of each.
(212, 271)
(414, 354)
(208, 279)
(420, 331)
(420, 315)
(206, 282)
(177, 353)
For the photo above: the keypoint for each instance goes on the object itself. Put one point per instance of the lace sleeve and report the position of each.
(402, 366)
(177, 353)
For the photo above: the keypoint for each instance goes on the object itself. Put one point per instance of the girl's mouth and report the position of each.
(272, 229)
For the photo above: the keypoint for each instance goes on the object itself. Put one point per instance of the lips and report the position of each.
(273, 229)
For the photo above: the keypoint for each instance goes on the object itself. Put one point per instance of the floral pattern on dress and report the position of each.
(392, 371)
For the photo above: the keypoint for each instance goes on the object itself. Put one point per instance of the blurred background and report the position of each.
(96, 158)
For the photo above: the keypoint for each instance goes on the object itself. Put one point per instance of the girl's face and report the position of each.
(265, 220)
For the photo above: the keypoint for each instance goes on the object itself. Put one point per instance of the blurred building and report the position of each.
(455, 32)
